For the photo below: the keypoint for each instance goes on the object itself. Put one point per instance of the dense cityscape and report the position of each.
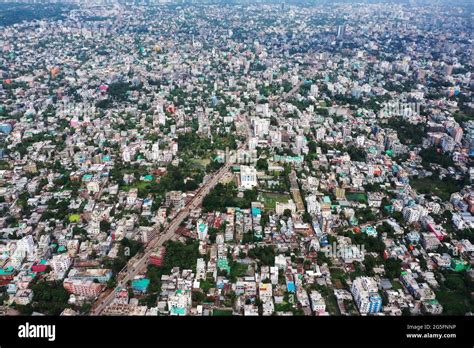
(245, 159)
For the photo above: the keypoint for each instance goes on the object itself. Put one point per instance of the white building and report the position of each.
(260, 127)
(155, 152)
(317, 303)
(274, 275)
(280, 207)
(60, 264)
(248, 177)
(200, 269)
(25, 245)
(180, 303)
(365, 292)
(202, 229)
(312, 205)
(127, 155)
(23, 297)
(413, 214)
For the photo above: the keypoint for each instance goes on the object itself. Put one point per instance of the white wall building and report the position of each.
(248, 177)
(60, 264)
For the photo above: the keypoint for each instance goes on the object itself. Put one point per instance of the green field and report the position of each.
(270, 199)
(199, 163)
(396, 285)
(331, 305)
(442, 188)
(136, 184)
(74, 217)
(237, 270)
(283, 307)
(357, 196)
(221, 313)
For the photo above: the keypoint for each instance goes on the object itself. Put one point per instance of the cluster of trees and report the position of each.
(268, 90)
(372, 244)
(373, 103)
(393, 268)
(369, 187)
(3, 295)
(265, 255)
(119, 90)
(366, 215)
(128, 248)
(322, 258)
(213, 166)
(192, 142)
(175, 178)
(223, 196)
(236, 270)
(399, 87)
(385, 227)
(302, 104)
(49, 298)
(407, 132)
(177, 255)
(182, 255)
(433, 185)
(57, 209)
(22, 147)
(178, 95)
(104, 226)
(466, 234)
(369, 263)
(357, 154)
(454, 293)
(11, 13)
(432, 155)
(262, 164)
(462, 117)
(200, 146)
(181, 178)
(249, 238)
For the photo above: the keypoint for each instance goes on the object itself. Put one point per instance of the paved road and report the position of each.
(138, 263)
(295, 191)
(288, 94)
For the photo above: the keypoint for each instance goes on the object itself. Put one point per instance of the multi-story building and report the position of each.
(318, 305)
(248, 177)
(280, 207)
(23, 297)
(25, 245)
(102, 275)
(202, 229)
(429, 241)
(432, 307)
(260, 127)
(366, 296)
(180, 302)
(175, 199)
(81, 287)
(60, 264)
(148, 233)
(156, 258)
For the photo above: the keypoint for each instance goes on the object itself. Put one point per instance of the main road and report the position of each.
(138, 263)
(288, 94)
